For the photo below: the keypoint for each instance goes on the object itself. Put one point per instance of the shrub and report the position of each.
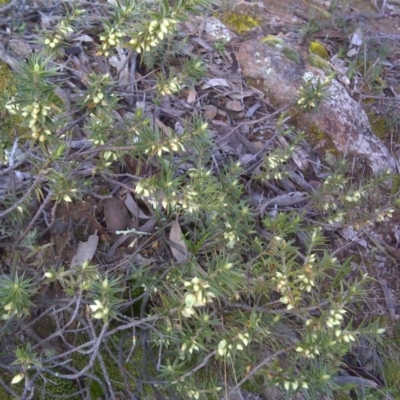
(232, 296)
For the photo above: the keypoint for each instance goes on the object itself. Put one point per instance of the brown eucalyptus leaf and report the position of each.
(134, 208)
(148, 226)
(213, 82)
(234, 105)
(192, 96)
(166, 129)
(141, 261)
(116, 216)
(85, 250)
(139, 168)
(210, 111)
(178, 246)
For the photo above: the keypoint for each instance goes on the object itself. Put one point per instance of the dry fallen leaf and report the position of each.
(134, 208)
(166, 129)
(132, 237)
(210, 111)
(178, 246)
(117, 216)
(85, 250)
(351, 235)
(234, 105)
(139, 167)
(213, 82)
(191, 97)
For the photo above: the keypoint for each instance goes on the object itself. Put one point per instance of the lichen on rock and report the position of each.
(338, 116)
(238, 22)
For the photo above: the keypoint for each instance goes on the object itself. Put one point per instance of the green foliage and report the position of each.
(15, 295)
(312, 91)
(309, 29)
(291, 54)
(255, 299)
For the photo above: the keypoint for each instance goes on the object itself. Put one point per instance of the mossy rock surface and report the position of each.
(238, 22)
(379, 125)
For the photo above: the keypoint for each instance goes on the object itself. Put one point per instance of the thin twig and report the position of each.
(35, 217)
(94, 354)
(201, 365)
(253, 122)
(22, 199)
(264, 362)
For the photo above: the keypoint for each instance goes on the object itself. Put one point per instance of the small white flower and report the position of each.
(17, 378)
(187, 312)
(222, 347)
(97, 306)
(190, 300)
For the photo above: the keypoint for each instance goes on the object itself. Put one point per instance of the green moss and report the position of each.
(272, 40)
(254, 82)
(379, 125)
(52, 385)
(6, 76)
(240, 23)
(4, 395)
(291, 54)
(391, 368)
(319, 50)
(395, 184)
(329, 152)
(58, 386)
(318, 62)
(79, 361)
